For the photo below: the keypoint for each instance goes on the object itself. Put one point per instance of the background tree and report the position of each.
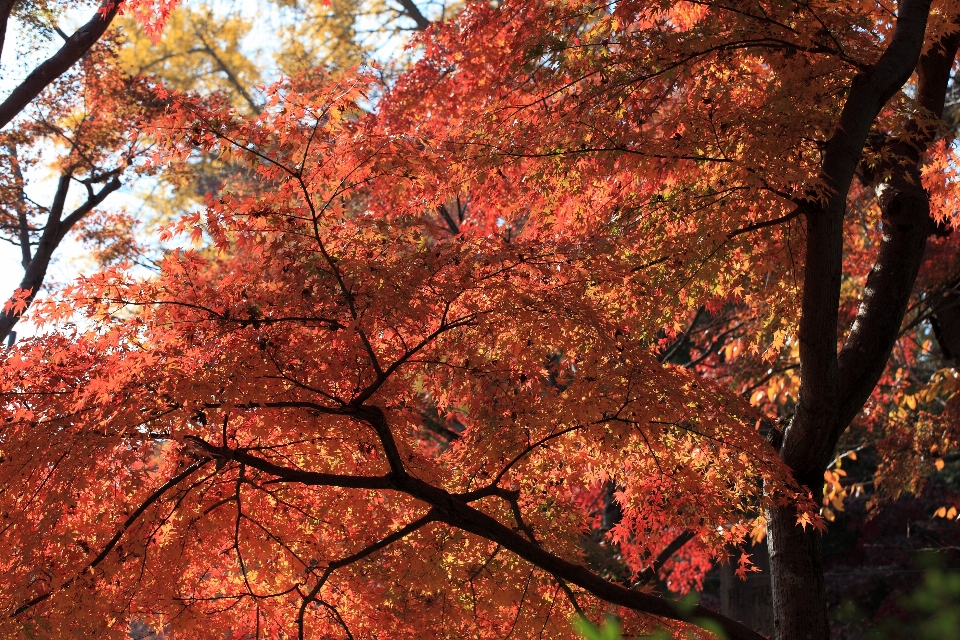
(52, 106)
(74, 47)
(222, 50)
(93, 134)
(188, 49)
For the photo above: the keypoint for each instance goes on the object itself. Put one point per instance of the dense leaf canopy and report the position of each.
(427, 327)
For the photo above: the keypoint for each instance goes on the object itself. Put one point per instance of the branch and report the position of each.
(131, 519)
(58, 64)
(6, 7)
(680, 339)
(454, 228)
(93, 201)
(23, 225)
(375, 417)
(384, 374)
(53, 233)
(369, 550)
(764, 224)
(530, 447)
(286, 474)
(454, 511)
(651, 572)
(907, 223)
(231, 76)
(412, 11)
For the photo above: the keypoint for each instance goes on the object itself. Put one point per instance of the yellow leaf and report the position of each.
(952, 513)
(852, 455)
(778, 340)
(759, 531)
(940, 513)
(939, 464)
(911, 401)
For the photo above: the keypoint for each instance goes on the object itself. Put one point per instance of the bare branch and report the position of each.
(286, 474)
(412, 11)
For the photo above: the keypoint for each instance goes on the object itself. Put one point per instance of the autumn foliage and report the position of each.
(312, 346)
(384, 385)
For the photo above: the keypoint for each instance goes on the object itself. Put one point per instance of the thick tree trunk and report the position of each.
(799, 601)
(834, 386)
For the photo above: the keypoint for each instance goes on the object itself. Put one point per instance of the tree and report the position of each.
(187, 49)
(436, 332)
(94, 134)
(637, 87)
(271, 433)
(208, 51)
(197, 51)
(74, 47)
(87, 111)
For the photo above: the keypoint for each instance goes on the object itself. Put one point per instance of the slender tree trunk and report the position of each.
(35, 268)
(6, 8)
(56, 65)
(749, 601)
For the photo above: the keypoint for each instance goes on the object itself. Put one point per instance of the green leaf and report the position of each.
(712, 626)
(610, 630)
(687, 603)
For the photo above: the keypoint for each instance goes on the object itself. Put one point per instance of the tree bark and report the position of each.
(945, 320)
(412, 11)
(6, 8)
(835, 386)
(796, 579)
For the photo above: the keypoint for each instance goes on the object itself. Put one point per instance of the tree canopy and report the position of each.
(581, 298)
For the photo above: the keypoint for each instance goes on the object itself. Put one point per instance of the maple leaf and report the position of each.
(423, 350)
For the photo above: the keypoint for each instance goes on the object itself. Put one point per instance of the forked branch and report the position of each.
(453, 510)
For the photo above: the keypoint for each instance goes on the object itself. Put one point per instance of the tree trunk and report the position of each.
(945, 321)
(799, 601)
(834, 386)
(35, 267)
(749, 601)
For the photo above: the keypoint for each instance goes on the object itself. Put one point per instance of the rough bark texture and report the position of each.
(796, 569)
(835, 386)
